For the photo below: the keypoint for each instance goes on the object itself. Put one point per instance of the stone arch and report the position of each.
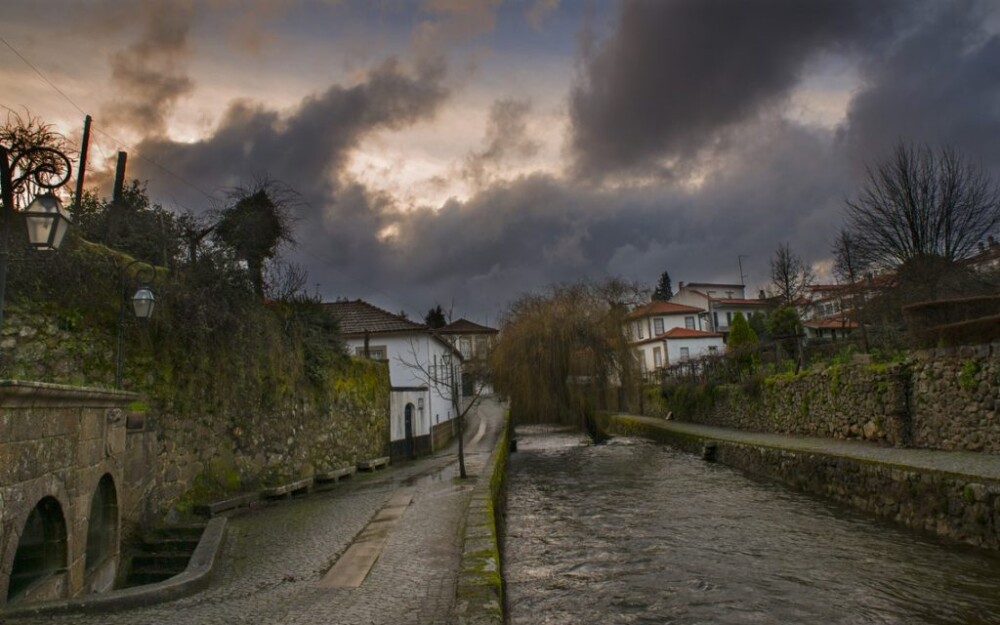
(102, 525)
(42, 548)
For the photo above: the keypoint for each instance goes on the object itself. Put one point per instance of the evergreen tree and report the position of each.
(435, 317)
(742, 340)
(664, 290)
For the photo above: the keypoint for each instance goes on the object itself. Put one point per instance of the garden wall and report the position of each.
(937, 399)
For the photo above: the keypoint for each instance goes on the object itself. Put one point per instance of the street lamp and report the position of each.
(45, 168)
(142, 301)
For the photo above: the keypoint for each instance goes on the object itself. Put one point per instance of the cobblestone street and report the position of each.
(273, 558)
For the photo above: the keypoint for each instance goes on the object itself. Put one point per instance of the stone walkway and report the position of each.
(271, 565)
(964, 463)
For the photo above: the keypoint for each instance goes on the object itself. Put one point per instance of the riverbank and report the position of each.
(955, 495)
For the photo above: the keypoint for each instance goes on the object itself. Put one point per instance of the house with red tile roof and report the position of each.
(475, 342)
(664, 333)
(423, 369)
(721, 302)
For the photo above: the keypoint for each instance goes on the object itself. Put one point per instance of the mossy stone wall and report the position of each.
(936, 399)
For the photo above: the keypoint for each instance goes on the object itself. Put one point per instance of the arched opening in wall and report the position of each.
(41, 551)
(102, 529)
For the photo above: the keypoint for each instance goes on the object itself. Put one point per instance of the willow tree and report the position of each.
(564, 353)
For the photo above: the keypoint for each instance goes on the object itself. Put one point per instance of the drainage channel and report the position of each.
(353, 566)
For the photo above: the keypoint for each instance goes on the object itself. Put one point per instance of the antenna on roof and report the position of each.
(739, 259)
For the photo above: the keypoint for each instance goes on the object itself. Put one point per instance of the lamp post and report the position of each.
(47, 220)
(143, 302)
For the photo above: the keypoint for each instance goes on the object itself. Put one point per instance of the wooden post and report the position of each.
(82, 171)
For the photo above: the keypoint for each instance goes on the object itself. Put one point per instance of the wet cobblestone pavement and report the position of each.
(273, 558)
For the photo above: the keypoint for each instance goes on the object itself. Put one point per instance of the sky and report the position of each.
(462, 152)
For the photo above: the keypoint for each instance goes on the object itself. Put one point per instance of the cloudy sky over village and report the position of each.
(464, 151)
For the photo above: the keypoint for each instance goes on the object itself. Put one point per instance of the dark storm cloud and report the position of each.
(522, 234)
(675, 74)
(506, 138)
(940, 85)
(307, 148)
(150, 76)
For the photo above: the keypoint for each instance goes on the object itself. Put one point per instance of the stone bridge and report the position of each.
(64, 455)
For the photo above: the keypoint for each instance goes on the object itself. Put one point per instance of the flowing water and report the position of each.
(634, 532)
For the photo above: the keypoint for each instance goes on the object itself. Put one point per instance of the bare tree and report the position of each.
(849, 267)
(919, 203)
(790, 277)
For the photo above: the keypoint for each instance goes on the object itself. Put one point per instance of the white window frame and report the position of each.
(657, 326)
(657, 357)
(685, 353)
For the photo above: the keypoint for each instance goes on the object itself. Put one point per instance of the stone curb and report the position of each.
(194, 578)
(479, 596)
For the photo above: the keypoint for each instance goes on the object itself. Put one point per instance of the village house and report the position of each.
(719, 302)
(475, 342)
(665, 333)
(423, 370)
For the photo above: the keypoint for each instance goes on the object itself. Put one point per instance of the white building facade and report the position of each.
(424, 371)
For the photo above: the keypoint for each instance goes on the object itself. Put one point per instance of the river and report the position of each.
(635, 532)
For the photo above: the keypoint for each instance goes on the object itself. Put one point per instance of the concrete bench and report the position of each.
(373, 464)
(298, 487)
(328, 479)
(226, 505)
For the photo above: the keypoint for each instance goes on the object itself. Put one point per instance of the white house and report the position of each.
(422, 368)
(475, 342)
(665, 333)
(720, 303)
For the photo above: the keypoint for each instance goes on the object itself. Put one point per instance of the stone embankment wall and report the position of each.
(479, 595)
(949, 505)
(937, 399)
(204, 455)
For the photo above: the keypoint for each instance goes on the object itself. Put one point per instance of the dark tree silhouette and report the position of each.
(435, 317)
(664, 289)
(920, 203)
(256, 225)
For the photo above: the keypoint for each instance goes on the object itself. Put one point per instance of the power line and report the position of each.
(42, 76)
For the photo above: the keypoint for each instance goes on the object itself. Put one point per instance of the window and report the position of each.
(465, 346)
(713, 350)
(729, 319)
(689, 323)
(638, 327)
(657, 357)
(375, 352)
(641, 357)
(658, 326)
(715, 321)
(685, 353)
(482, 346)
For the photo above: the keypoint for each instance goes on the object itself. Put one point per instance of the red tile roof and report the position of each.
(717, 301)
(662, 308)
(464, 326)
(831, 323)
(357, 316)
(687, 333)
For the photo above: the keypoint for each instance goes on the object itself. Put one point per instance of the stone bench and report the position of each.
(328, 479)
(227, 505)
(373, 464)
(298, 487)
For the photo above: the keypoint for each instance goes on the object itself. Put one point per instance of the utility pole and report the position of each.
(81, 171)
